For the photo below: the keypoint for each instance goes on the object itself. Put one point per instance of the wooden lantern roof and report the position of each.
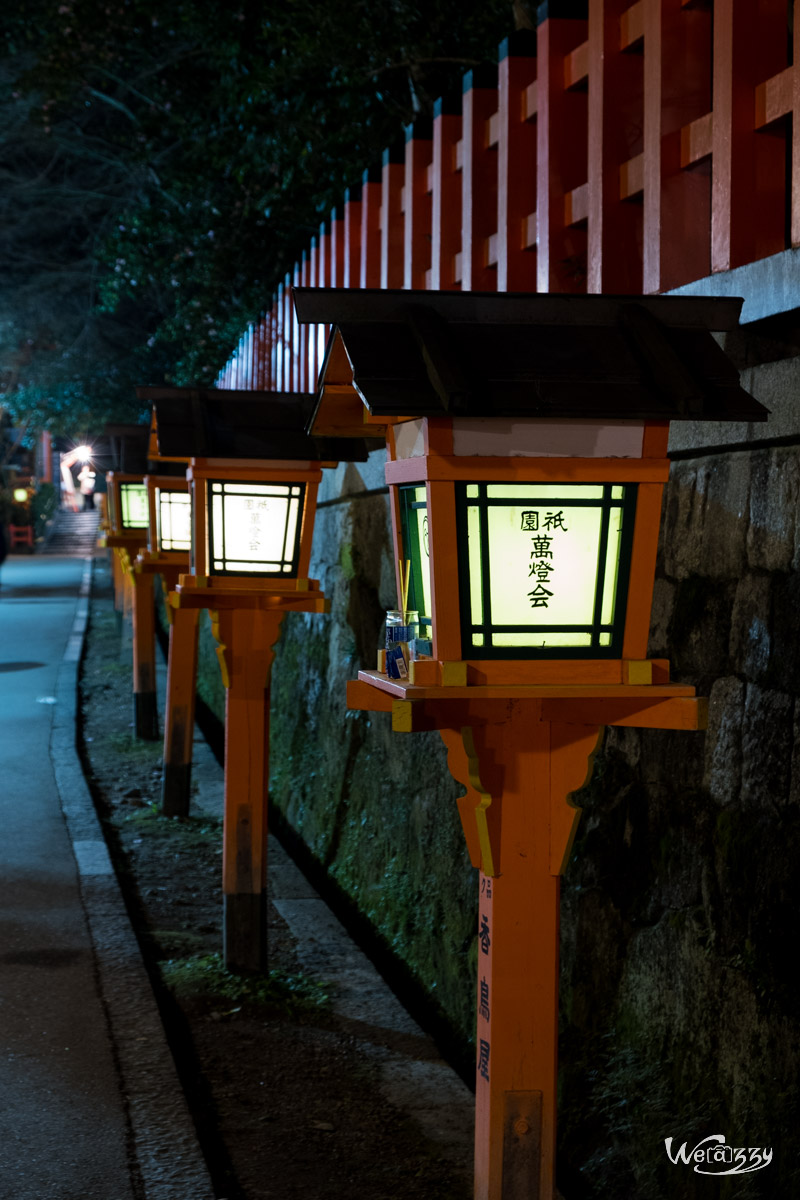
(127, 448)
(167, 465)
(478, 354)
(216, 423)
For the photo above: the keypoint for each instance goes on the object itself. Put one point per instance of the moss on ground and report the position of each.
(205, 977)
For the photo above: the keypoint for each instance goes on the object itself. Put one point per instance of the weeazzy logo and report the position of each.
(712, 1156)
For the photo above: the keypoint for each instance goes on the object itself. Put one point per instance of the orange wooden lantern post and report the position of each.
(527, 440)
(121, 529)
(254, 475)
(167, 555)
(130, 512)
(107, 528)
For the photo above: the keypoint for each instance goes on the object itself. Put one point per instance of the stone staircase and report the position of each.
(73, 534)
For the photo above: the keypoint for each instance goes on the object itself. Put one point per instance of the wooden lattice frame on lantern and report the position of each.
(531, 432)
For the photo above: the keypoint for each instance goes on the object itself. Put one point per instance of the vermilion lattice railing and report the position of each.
(621, 148)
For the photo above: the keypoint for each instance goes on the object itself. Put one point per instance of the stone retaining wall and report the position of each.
(681, 900)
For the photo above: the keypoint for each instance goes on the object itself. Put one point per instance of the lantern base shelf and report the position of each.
(533, 691)
(248, 583)
(169, 567)
(162, 560)
(135, 539)
(236, 598)
(413, 708)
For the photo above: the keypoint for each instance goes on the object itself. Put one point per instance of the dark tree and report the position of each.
(162, 165)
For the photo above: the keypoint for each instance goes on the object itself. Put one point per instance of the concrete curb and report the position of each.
(168, 1163)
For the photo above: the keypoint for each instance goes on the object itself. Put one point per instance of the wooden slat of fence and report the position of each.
(662, 184)
(269, 350)
(352, 238)
(748, 218)
(516, 164)
(371, 190)
(278, 346)
(280, 340)
(615, 137)
(290, 330)
(313, 281)
(258, 353)
(446, 196)
(391, 221)
(576, 66)
(631, 178)
(697, 140)
(478, 181)
(561, 160)
(774, 98)
(235, 374)
(241, 360)
(336, 277)
(793, 183)
(417, 205)
(301, 379)
(324, 279)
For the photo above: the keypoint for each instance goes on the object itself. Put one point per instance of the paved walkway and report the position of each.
(90, 1107)
(90, 1104)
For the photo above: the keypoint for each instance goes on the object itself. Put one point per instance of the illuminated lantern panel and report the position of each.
(254, 528)
(135, 512)
(544, 568)
(174, 514)
(414, 514)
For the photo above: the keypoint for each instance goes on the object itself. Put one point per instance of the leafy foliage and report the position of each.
(162, 166)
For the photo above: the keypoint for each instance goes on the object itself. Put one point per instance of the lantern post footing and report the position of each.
(179, 713)
(176, 790)
(244, 931)
(145, 716)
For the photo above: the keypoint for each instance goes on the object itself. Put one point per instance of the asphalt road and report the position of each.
(89, 1101)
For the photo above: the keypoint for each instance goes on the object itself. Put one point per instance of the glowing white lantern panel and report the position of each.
(174, 511)
(544, 567)
(135, 512)
(254, 528)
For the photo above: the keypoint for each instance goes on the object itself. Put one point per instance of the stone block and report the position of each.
(767, 739)
(722, 532)
(660, 618)
(794, 781)
(699, 630)
(750, 627)
(775, 385)
(772, 534)
(785, 630)
(684, 504)
(723, 750)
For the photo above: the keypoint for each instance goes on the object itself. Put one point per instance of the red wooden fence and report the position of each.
(634, 148)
